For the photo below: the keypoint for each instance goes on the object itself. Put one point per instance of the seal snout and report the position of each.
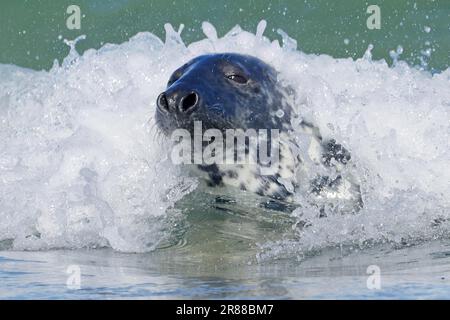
(178, 102)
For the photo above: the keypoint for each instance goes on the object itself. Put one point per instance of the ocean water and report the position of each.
(88, 191)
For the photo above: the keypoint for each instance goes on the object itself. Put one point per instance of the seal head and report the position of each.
(233, 91)
(223, 91)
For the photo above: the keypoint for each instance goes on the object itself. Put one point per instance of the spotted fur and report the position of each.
(232, 91)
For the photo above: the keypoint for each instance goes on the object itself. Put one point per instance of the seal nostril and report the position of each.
(162, 103)
(189, 102)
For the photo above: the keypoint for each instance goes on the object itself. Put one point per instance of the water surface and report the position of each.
(85, 182)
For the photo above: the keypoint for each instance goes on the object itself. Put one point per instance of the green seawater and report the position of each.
(217, 246)
(32, 31)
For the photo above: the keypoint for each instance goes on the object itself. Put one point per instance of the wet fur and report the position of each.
(229, 106)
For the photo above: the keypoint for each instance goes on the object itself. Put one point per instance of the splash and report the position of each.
(81, 165)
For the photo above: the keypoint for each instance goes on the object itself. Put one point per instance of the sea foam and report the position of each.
(81, 164)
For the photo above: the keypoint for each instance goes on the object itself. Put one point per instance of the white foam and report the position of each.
(81, 167)
(80, 164)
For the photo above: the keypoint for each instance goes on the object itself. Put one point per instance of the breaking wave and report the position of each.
(81, 164)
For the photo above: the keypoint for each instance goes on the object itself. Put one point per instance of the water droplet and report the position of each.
(279, 113)
(368, 53)
(288, 42)
(426, 52)
(260, 28)
(209, 31)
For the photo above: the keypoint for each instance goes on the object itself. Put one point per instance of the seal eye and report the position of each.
(237, 78)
